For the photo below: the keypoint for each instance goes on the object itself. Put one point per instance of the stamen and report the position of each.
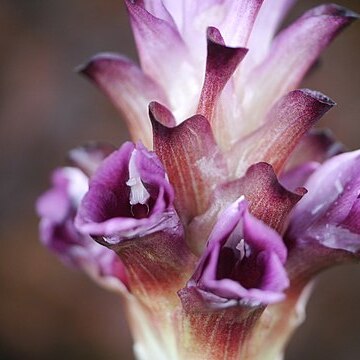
(244, 249)
(241, 247)
(138, 192)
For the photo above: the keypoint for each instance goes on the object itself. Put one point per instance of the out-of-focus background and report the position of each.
(50, 312)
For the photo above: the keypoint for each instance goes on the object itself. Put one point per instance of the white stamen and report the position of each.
(138, 192)
(244, 249)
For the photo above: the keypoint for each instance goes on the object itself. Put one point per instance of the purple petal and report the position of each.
(57, 208)
(192, 160)
(221, 63)
(324, 226)
(129, 89)
(326, 213)
(293, 53)
(129, 196)
(287, 122)
(243, 260)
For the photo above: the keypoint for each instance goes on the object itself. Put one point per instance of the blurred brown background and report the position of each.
(48, 311)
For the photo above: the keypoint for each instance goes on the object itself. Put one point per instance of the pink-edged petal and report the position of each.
(267, 22)
(238, 21)
(165, 57)
(129, 89)
(292, 54)
(188, 15)
(192, 161)
(157, 9)
(316, 146)
(129, 196)
(268, 200)
(325, 224)
(287, 122)
(154, 37)
(221, 63)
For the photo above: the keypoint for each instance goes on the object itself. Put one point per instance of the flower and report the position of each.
(233, 204)
(57, 209)
(129, 196)
(243, 262)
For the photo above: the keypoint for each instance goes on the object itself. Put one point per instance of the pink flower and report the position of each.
(233, 204)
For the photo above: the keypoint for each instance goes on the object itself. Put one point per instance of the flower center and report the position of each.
(238, 262)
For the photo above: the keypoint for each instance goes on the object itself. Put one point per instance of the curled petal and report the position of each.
(192, 161)
(128, 196)
(243, 261)
(221, 63)
(287, 122)
(57, 208)
(161, 114)
(292, 54)
(268, 199)
(129, 89)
